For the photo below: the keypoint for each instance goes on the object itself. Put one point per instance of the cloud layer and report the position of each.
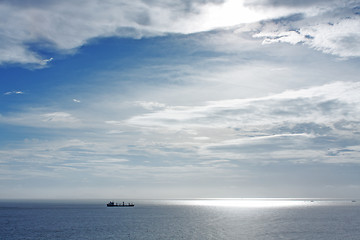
(315, 124)
(235, 96)
(31, 32)
(212, 144)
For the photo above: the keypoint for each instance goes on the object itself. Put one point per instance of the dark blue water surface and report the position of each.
(181, 219)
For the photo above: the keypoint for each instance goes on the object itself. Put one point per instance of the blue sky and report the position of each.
(179, 99)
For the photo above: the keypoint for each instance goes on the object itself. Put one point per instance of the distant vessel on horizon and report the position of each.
(113, 204)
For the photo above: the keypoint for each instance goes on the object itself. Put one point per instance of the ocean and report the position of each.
(250, 219)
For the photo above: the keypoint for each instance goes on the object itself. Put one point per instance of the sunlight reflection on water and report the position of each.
(247, 203)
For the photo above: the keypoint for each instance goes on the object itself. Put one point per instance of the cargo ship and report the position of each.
(123, 204)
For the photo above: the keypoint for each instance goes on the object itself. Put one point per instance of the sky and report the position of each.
(179, 99)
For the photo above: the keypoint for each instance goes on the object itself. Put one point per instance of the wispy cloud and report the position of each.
(39, 118)
(13, 92)
(45, 61)
(296, 105)
(58, 117)
(246, 128)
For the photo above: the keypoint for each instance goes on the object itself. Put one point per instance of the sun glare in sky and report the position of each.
(230, 13)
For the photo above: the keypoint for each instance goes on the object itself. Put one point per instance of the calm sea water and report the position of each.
(182, 219)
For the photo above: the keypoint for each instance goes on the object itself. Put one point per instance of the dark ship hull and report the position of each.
(112, 204)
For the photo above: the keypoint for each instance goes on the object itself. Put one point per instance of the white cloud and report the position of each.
(150, 105)
(14, 92)
(340, 38)
(63, 26)
(45, 61)
(334, 31)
